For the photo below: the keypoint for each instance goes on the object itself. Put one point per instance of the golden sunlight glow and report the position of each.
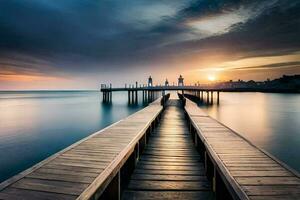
(211, 77)
(27, 78)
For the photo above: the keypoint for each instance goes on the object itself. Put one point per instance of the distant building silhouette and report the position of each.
(150, 83)
(166, 82)
(282, 84)
(180, 81)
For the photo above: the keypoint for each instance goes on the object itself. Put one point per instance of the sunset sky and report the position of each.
(78, 44)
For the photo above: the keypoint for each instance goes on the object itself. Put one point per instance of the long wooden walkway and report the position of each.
(239, 169)
(170, 167)
(88, 168)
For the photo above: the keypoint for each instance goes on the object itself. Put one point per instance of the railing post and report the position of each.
(209, 169)
(196, 139)
(142, 143)
(113, 190)
(137, 152)
(214, 183)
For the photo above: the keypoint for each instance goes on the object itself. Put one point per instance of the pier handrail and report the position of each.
(139, 122)
(237, 186)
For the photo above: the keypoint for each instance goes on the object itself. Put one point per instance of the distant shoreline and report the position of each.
(49, 90)
(262, 90)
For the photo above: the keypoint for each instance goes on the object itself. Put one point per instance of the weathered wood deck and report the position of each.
(170, 167)
(234, 163)
(85, 169)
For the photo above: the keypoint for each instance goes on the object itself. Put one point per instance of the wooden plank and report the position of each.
(79, 178)
(268, 180)
(66, 172)
(170, 159)
(168, 185)
(256, 173)
(167, 195)
(174, 172)
(170, 167)
(255, 168)
(264, 190)
(60, 187)
(20, 194)
(78, 169)
(279, 197)
(167, 177)
(166, 163)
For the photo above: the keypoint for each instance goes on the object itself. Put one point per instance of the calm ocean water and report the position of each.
(34, 125)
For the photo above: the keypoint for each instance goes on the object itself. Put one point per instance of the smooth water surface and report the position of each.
(271, 121)
(35, 125)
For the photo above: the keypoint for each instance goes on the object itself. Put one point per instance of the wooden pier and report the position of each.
(170, 167)
(237, 168)
(164, 151)
(205, 94)
(95, 167)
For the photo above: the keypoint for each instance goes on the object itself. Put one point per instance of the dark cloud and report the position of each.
(271, 66)
(70, 35)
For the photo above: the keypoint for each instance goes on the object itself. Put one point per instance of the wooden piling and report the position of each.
(207, 97)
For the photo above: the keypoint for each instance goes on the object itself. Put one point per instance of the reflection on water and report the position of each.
(34, 125)
(271, 121)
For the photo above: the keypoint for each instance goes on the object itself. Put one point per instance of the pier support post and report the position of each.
(132, 96)
(212, 97)
(207, 97)
(218, 97)
(137, 152)
(220, 188)
(113, 190)
(196, 139)
(128, 96)
(209, 167)
(136, 96)
(142, 143)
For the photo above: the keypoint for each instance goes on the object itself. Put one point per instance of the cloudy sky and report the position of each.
(78, 44)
